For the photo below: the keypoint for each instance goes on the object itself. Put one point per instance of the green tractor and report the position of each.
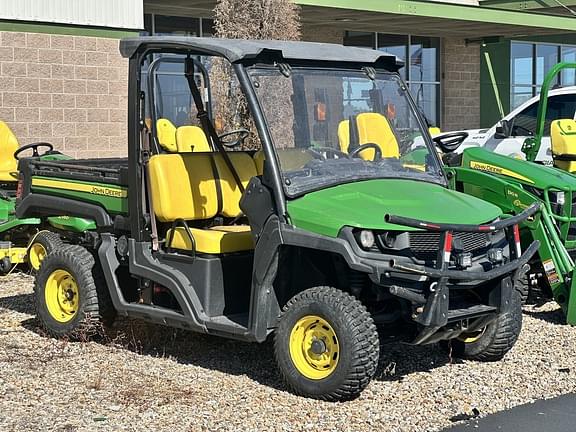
(27, 240)
(339, 225)
(514, 184)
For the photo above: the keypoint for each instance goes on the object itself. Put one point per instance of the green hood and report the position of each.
(364, 204)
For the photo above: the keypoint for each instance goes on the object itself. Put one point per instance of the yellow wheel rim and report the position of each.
(314, 347)
(36, 255)
(471, 337)
(62, 296)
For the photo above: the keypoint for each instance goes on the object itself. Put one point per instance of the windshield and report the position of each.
(337, 126)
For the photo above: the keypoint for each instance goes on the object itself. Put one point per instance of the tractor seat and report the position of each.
(185, 188)
(371, 128)
(563, 140)
(8, 145)
(191, 139)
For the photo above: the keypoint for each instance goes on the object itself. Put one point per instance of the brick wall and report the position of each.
(460, 85)
(70, 91)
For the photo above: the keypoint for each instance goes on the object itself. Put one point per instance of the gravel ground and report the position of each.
(149, 378)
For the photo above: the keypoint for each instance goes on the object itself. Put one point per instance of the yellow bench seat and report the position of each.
(213, 240)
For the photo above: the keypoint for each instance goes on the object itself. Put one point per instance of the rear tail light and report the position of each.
(517, 241)
(447, 246)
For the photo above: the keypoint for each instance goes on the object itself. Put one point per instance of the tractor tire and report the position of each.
(326, 345)
(45, 243)
(494, 341)
(71, 296)
(522, 285)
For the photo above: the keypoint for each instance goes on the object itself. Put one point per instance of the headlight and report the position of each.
(366, 239)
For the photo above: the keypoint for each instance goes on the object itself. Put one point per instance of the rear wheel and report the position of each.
(326, 345)
(71, 296)
(43, 244)
(492, 342)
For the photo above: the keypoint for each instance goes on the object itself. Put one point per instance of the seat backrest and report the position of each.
(166, 133)
(8, 145)
(183, 186)
(563, 137)
(375, 128)
(245, 167)
(191, 139)
(344, 135)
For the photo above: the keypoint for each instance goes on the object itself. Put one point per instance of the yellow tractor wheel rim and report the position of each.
(36, 255)
(62, 296)
(314, 347)
(472, 337)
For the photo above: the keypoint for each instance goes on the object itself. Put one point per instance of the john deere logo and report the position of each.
(481, 166)
(116, 193)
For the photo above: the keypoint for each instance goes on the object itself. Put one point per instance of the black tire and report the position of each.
(93, 307)
(522, 285)
(357, 341)
(495, 341)
(50, 242)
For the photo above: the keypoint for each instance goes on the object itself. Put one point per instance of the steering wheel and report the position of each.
(242, 135)
(323, 152)
(449, 142)
(362, 147)
(34, 147)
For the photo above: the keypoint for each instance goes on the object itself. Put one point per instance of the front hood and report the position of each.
(364, 205)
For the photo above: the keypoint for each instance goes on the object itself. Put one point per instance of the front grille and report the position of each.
(425, 245)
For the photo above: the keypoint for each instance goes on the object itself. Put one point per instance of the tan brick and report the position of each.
(96, 115)
(7, 114)
(28, 55)
(27, 114)
(13, 39)
(51, 114)
(84, 43)
(40, 129)
(73, 57)
(40, 100)
(20, 130)
(86, 154)
(107, 45)
(13, 69)
(118, 115)
(51, 85)
(63, 101)
(11, 99)
(75, 114)
(75, 143)
(120, 143)
(86, 101)
(63, 129)
(50, 56)
(94, 58)
(112, 154)
(119, 88)
(74, 86)
(97, 87)
(62, 71)
(6, 54)
(108, 73)
(117, 60)
(6, 84)
(108, 101)
(38, 70)
(62, 42)
(37, 40)
(28, 85)
(109, 129)
(88, 130)
(86, 72)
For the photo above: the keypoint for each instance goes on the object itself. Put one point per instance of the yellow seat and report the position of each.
(372, 128)
(8, 145)
(433, 130)
(183, 186)
(191, 139)
(166, 133)
(563, 141)
(213, 240)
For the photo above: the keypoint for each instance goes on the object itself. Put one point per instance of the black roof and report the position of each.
(238, 50)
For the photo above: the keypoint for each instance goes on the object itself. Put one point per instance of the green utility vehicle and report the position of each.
(338, 224)
(515, 184)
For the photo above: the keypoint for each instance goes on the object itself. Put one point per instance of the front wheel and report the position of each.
(326, 345)
(43, 244)
(494, 341)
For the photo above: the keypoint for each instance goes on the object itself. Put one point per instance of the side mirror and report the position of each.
(504, 130)
(450, 142)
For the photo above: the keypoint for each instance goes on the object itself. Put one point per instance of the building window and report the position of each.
(422, 71)
(166, 25)
(530, 62)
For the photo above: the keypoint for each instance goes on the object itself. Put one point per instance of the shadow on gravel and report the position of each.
(23, 303)
(555, 316)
